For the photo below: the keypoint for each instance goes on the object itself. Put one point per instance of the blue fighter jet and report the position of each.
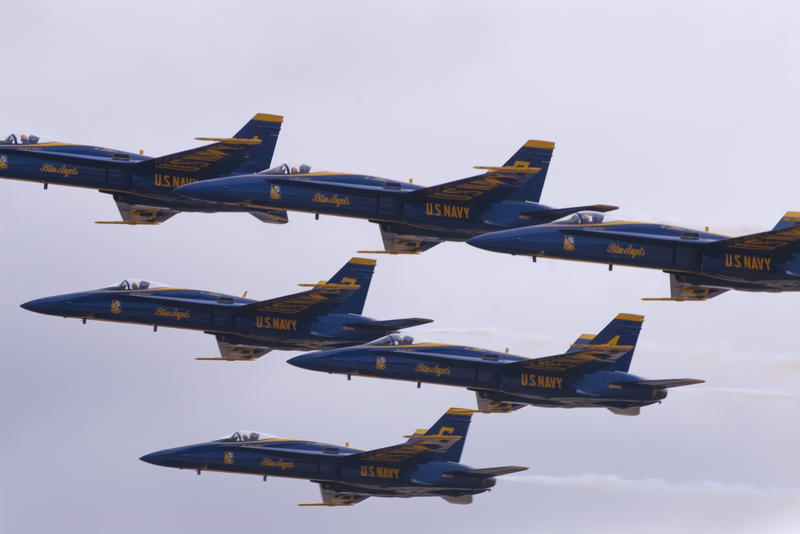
(427, 465)
(593, 372)
(701, 265)
(412, 218)
(143, 186)
(327, 315)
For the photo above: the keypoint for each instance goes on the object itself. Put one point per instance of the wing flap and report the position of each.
(237, 352)
(137, 214)
(395, 243)
(682, 291)
(271, 216)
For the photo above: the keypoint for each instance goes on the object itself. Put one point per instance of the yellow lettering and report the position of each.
(767, 261)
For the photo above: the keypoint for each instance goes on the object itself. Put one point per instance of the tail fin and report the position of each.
(357, 272)
(454, 423)
(532, 154)
(789, 220)
(266, 128)
(622, 330)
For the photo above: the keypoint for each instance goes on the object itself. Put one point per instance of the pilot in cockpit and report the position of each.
(24, 139)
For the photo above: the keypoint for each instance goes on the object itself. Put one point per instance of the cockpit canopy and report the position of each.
(136, 283)
(394, 340)
(287, 168)
(23, 139)
(246, 436)
(582, 217)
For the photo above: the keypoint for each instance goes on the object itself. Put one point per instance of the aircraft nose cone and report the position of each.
(47, 305)
(486, 242)
(305, 361)
(155, 458)
(203, 190)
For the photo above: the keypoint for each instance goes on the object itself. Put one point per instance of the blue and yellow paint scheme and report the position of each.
(427, 465)
(326, 315)
(701, 265)
(412, 218)
(593, 372)
(143, 186)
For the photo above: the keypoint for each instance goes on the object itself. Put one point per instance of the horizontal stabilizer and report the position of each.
(667, 383)
(488, 472)
(391, 325)
(547, 215)
(271, 216)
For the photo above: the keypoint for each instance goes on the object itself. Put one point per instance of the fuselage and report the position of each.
(379, 200)
(488, 372)
(323, 462)
(670, 248)
(210, 312)
(108, 170)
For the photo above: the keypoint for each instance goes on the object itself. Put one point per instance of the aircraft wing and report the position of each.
(581, 361)
(417, 450)
(331, 497)
(216, 159)
(237, 352)
(788, 233)
(496, 184)
(392, 325)
(323, 297)
(682, 291)
(487, 472)
(137, 214)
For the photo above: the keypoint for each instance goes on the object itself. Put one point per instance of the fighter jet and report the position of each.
(143, 186)
(593, 372)
(427, 465)
(327, 315)
(701, 265)
(412, 218)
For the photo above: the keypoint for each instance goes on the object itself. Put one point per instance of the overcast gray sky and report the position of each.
(685, 112)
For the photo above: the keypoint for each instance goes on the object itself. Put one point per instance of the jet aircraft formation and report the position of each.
(498, 209)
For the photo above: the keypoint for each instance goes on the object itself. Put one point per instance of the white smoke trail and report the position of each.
(755, 394)
(614, 482)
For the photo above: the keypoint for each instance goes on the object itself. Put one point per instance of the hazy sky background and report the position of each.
(684, 112)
